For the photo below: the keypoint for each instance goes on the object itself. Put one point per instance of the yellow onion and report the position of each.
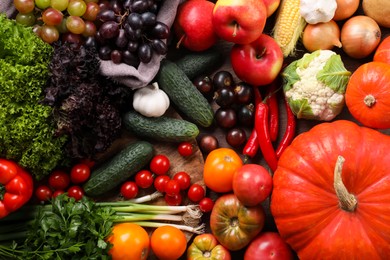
(321, 36)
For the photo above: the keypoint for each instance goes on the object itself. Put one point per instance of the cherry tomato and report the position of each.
(80, 173)
(172, 187)
(43, 193)
(129, 190)
(57, 192)
(185, 149)
(129, 241)
(160, 182)
(173, 200)
(184, 180)
(160, 164)
(206, 204)
(75, 192)
(196, 192)
(168, 242)
(144, 179)
(59, 180)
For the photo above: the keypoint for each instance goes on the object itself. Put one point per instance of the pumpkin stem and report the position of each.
(347, 201)
(369, 100)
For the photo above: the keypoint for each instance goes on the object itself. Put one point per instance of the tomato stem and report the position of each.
(347, 201)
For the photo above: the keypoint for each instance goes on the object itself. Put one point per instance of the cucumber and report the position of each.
(198, 63)
(123, 165)
(184, 95)
(161, 128)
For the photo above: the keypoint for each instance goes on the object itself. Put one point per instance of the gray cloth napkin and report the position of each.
(123, 73)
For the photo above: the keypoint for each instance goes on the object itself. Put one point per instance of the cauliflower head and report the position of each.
(315, 85)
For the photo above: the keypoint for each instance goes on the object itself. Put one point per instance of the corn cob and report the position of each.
(289, 26)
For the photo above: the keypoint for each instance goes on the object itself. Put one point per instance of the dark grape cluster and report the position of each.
(128, 31)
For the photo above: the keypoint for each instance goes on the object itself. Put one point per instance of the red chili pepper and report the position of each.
(252, 144)
(289, 134)
(263, 135)
(16, 187)
(273, 105)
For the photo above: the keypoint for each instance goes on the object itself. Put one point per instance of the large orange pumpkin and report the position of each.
(317, 221)
(368, 94)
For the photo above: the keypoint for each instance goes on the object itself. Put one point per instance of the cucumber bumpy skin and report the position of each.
(122, 166)
(184, 95)
(161, 128)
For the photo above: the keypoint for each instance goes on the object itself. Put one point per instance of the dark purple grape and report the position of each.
(236, 137)
(130, 58)
(160, 31)
(132, 46)
(224, 97)
(133, 35)
(223, 78)
(159, 46)
(244, 93)
(116, 56)
(145, 53)
(154, 8)
(116, 6)
(135, 21)
(149, 19)
(100, 40)
(208, 143)
(104, 5)
(126, 4)
(139, 6)
(226, 117)
(245, 115)
(109, 30)
(105, 52)
(106, 15)
(90, 41)
(121, 40)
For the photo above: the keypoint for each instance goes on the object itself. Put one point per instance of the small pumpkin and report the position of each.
(382, 53)
(326, 209)
(151, 101)
(368, 94)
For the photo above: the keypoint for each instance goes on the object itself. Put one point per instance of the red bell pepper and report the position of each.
(16, 187)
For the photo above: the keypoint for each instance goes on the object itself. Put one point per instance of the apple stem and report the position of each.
(235, 29)
(180, 40)
(258, 56)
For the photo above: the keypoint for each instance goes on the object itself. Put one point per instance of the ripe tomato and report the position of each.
(206, 204)
(173, 200)
(144, 179)
(59, 180)
(80, 173)
(43, 193)
(75, 192)
(160, 182)
(219, 168)
(168, 242)
(172, 187)
(57, 193)
(184, 180)
(129, 190)
(268, 245)
(196, 192)
(160, 164)
(185, 149)
(129, 241)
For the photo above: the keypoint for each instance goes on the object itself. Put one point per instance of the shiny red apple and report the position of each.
(239, 21)
(259, 62)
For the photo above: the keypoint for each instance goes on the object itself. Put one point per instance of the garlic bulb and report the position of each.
(150, 101)
(317, 11)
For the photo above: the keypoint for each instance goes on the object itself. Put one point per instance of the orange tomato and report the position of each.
(219, 169)
(168, 242)
(382, 53)
(130, 242)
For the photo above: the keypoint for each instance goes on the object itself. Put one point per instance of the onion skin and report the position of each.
(360, 36)
(345, 9)
(321, 36)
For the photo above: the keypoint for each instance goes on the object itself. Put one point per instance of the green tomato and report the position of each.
(206, 246)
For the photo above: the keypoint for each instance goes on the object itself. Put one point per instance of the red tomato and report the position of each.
(184, 180)
(80, 173)
(185, 149)
(268, 245)
(206, 204)
(75, 192)
(57, 192)
(129, 190)
(144, 179)
(173, 200)
(59, 180)
(196, 192)
(43, 193)
(160, 164)
(168, 242)
(160, 182)
(172, 187)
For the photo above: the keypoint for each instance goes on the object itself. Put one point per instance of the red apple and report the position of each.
(252, 184)
(272, 6)
(268, 245)
(259, 62)
(239, 21)
(193, 25)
